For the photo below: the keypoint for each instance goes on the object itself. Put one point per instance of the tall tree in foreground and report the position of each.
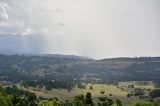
(88, 99)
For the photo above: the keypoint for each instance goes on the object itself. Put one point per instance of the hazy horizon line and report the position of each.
(76, 55)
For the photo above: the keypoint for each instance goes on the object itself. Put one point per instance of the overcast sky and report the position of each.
(93, 28)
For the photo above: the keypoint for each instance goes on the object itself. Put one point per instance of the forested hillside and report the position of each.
(17, 68)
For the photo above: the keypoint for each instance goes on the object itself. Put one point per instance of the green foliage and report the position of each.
(79, 100)
(105, 101)
(15, 91)
(82, 100)
(145, 104)
(155, 93)
(5, 100)
(54, 102)
(49, 84)
(12, 96)
(157, 85)
(88, 99)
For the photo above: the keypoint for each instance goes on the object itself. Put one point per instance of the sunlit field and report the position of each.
(64, 94)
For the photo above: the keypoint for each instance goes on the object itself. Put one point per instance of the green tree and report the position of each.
(5, 100)
(88, 99)
(155, 93)
(79, 100)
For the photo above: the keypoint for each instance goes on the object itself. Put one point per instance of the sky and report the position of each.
(91, 28)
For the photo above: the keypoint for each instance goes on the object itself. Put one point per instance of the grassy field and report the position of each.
(150, 86)
(97, 88)
(109, 89)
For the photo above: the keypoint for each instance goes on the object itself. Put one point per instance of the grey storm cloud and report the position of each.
(94, 28)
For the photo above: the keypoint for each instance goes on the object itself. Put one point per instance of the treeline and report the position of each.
(49, 84)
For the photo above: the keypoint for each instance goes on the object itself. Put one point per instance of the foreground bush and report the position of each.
(145, 104)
